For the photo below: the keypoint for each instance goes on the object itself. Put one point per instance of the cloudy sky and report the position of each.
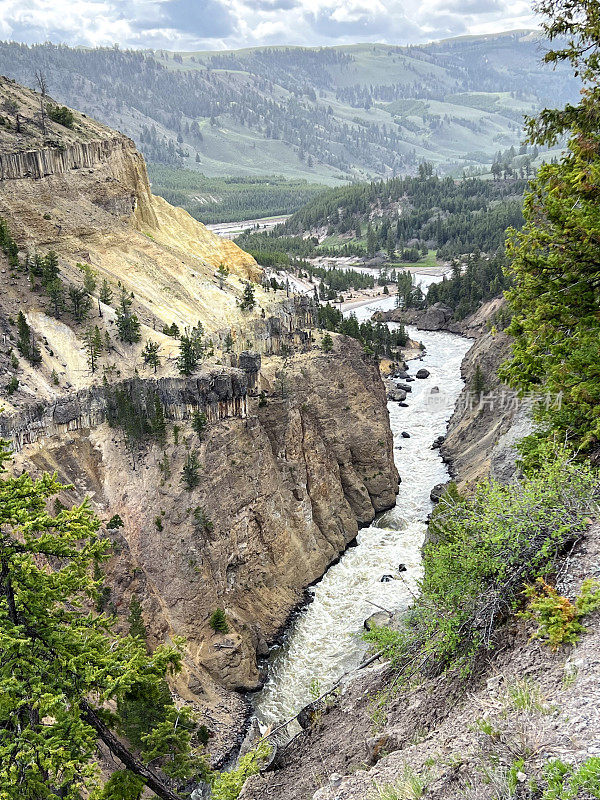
(218, 24)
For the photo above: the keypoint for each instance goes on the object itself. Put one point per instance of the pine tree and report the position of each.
(150, 354)
(80, 303)
(248, 299)
(128, 325)
(327, 343)
(199, 423)
(106, 294)
(62, 663)
(135, 619)
(26, 341)
(56, 293)
(49, 268)
(371, 240)
(187, 360)
(189, 474)
(89, 278)
(478, 386)
(218, 621)
(228, 342)
(93, 346)
(222, 274)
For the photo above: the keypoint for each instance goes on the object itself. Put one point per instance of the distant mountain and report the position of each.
(323, 114)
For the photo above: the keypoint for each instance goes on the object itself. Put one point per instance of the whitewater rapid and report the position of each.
(324, 640)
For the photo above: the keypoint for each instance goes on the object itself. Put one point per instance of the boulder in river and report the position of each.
(423, 373)
(401, 567)
(404, 387)
(403, 405)
(397, 395)
(437, 443)
(435, 318)
(386, 578)
(405, 435)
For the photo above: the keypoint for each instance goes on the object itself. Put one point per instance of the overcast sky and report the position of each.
(218, 24)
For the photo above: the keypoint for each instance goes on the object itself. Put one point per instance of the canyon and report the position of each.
(296, 454)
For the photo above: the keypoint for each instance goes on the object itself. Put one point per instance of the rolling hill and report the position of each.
(325, 115)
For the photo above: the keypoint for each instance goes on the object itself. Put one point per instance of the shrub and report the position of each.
(218, 621)
(189, 474)
(228, 785)
(115, 522)
(12, 386)
(558, 618)
(486, 548)
(62, 115)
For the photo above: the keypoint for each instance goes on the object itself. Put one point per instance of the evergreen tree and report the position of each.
(371, 241)
(93, 346)
(150, 354)
(128, 325)
(80, 303)
(89, 278)
(62, 664)
(106, 294)
(26, 341)
(478, 386)
(199, 423)
(49, 268)
(189, 474)
(218, 621)
(222, 274)
(248, 298)
(327, 343)
(56, 292)
(188, 358)
(136, 620)
(555, 259)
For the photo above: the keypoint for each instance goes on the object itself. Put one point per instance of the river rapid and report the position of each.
(324, 639)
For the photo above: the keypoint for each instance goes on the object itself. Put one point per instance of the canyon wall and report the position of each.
(284, 483)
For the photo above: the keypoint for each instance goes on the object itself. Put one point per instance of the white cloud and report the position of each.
(218, 24)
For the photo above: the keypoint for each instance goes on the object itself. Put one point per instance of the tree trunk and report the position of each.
(118, 749)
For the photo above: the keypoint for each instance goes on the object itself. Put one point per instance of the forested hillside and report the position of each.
(405, 217)
(325, 114)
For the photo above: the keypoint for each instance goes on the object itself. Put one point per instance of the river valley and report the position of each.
(324, 640)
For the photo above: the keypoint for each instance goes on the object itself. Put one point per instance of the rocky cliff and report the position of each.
(283, 485)
(490, 419)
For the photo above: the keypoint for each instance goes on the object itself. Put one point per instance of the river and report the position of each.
(324, 640)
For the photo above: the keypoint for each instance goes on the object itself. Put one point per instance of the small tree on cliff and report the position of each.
(26, 341)
(187, 360)
(218, 621)
(478, 386)
(150, 354)
(128, 325)
(63, 664)
(248, 299)
(327, 343)
(94, 345)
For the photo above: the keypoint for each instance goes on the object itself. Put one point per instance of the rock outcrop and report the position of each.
(485, 427)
